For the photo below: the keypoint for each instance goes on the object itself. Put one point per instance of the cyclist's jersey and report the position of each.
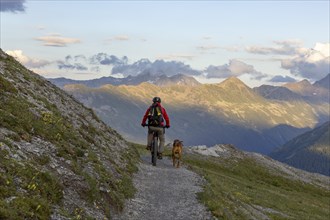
(164, 113)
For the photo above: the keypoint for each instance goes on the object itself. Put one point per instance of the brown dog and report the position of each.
(177, 153)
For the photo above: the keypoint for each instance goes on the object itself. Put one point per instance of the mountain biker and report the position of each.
(158, 127)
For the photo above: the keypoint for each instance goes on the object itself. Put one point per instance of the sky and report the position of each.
(261, 42)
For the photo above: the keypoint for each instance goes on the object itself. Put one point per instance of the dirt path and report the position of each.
(165, 193)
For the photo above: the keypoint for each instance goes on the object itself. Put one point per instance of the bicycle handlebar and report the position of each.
(147, 125)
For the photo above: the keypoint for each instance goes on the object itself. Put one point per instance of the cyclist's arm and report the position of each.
(144, 119)
(167, 119)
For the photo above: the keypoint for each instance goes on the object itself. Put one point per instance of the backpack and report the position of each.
(155, 116)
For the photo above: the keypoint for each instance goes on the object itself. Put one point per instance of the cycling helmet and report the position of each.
(156, 99)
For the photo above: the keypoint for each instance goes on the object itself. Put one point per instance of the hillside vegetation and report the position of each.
(243, 185)
(250, 186)
(57, 159)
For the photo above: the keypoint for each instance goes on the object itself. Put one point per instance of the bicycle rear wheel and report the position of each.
(154, 151)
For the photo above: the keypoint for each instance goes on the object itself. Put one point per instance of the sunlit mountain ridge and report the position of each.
(226, 112)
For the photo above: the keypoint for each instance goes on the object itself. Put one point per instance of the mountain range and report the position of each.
(258, 119)
(160, 80)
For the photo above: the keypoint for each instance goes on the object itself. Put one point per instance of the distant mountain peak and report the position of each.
(178, 79)
(233, 82)
(325, 82)
(277, 92)
(301, 83)
(304, 82)
(312, 91)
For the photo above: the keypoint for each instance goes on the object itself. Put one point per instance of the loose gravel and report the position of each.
(165, 193)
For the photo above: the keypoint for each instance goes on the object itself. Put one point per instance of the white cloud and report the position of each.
(287, 47)
(231, 48)
(27, 61)
(176, 57)
(237, 67)
(57, 41)
(207, 47)
(234, 68)
(121, 38)
(310, 63)
(118, 38)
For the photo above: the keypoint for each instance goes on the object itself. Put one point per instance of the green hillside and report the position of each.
(242, 188)
(57, 159)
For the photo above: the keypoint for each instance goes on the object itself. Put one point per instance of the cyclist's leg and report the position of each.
(150, 136)
(161, 137)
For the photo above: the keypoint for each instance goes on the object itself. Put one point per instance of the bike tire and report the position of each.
(154, 152)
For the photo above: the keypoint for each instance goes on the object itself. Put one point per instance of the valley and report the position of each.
(228, 112)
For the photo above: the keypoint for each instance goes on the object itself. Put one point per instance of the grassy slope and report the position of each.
(29, 187)
(241, 189)
(236, 186)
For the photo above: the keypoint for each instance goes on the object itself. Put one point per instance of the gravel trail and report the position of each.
(165, 193)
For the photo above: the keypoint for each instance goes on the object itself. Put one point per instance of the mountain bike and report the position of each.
(154, 147)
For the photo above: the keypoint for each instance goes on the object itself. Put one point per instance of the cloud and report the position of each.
(68, 65)
(282, 79)
(231, 48)
(72, 63)
(310, 63)
(105, 59)
(176, 57)
(12, 6)
(121, 38)
(159, 67)
(95, 63)
(287, 47)
(27, 61)
(234, 68)
(118, 38)
(207, 47)
(57, 41)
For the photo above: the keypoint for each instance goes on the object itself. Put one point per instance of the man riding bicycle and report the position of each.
(156, 114)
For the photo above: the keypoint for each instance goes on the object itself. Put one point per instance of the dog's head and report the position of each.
(177, 143)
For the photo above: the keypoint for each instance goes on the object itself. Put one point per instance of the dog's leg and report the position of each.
(178, 162)
(179, 159)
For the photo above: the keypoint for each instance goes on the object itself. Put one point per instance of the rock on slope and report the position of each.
(57, 159)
